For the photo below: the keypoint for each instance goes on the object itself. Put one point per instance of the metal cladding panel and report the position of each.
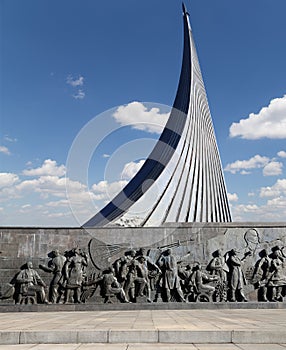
(195, 189)
(185, 162)
(153, 167)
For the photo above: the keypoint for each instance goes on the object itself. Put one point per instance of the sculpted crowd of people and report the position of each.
(269, 276)
(68, 275)
(135, 277)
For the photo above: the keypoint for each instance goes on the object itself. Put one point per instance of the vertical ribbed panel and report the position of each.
(185, 161)
(196, 189)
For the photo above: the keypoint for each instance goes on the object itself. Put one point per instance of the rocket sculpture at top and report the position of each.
(185, 162)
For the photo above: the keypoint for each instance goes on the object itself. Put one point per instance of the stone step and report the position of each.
(142, 336)
(145, 327)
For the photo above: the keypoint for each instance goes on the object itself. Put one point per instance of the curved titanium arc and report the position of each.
(162, 152)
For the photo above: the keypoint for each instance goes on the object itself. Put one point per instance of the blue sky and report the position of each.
(66, 63)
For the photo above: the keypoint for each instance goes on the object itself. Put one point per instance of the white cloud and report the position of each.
(44, 185)
(281, 154)
(232, 197)
(251, 194)
(273, 169)
(43, 199)
(278, 189)
(79, 95)
(5, 150)
(270, 122)
(105, 191)
(10, 139)
(59, 203)
(253, 163)
(8, 179)
(137, 115)
(51, 200)
(49, 181)
(258, 213)
(278, 202)
(246, 208)
(105, 155)
(130, 169)
(75, 81)
(49, 167)
(274, 209)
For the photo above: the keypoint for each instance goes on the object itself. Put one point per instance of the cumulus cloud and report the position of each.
(8, 179)
(241, 165)
(49, 167)
(75, 81)
(278, 189)
(48, 195)
(44, 186)
(273, 169)
(270, 122)
(137, 115)
(130, 169)
(273, 210)
(279, 202)
(248, 212)
(232, 197)
(281, 154)
(248, 207)
(105, 191)
(79, 95)
(5, 150)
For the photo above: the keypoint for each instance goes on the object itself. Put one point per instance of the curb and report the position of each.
(142, 336)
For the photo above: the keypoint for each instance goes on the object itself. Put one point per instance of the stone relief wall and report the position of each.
(175, 263)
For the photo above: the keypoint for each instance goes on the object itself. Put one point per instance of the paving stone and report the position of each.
(194, 336)
(48, 337)
(102, 346)
(261, 347)
(133, 336)
(9, 337)
(135, 326)
(55, 347)
(150, 346)
(159, 346)
(93, 336)
(259, 337)
(217, 347)
(19, 347)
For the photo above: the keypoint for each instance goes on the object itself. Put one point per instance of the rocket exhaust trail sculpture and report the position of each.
(185, 160)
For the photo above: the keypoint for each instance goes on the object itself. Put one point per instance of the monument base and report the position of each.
(4, 308)
(193, 246)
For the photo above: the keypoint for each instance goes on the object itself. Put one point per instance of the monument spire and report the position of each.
(185, 12)
(185, 161)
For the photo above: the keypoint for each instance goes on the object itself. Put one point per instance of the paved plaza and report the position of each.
(150, 346)
(253, 329)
